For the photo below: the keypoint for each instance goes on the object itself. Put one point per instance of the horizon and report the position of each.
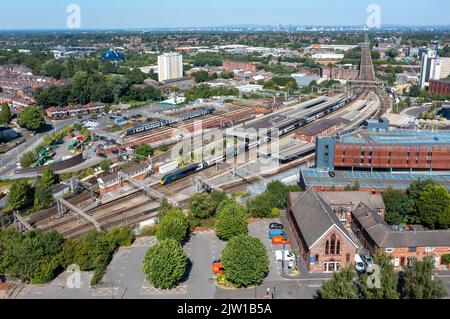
(201, 14)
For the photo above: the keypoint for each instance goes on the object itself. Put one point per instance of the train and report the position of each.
(181, 172)
(161, 123)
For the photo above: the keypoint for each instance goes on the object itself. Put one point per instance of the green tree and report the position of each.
(28, 158)
(341, 286)
(5, 114)
(49, 177)
(231, 221)
(217, 198)
(399, 207)
(42, 195)
(31, 118)
(20, 194)
(245, 261)
(105, 165)
(164, 207)
(165, 264)
(388, 280)
(142, 152)
(433, 207)
(261, 206)
(201, 205)
(174, 225)
(419, 282)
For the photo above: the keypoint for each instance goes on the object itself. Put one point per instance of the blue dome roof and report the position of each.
(112, 55)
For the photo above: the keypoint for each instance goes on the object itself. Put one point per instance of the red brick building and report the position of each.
(229, 66)
(402, 246)
(324, 127)
(439, 87)
(325, 244)
(112, 181)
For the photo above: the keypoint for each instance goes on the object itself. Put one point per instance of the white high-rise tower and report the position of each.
(170, 66)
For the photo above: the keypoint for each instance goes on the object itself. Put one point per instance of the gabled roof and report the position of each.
(353, 198)
(315, 217)
(386, 237)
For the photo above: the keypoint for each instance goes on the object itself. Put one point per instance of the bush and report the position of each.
(245, 261)
(20, 195)
(174, 225)
(149, 231)
(201, 205)
(27, 159)
(231, 221)
(165, 264)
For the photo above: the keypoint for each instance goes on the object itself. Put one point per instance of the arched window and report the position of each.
(338, 247)
(347, 258)
(317, 258)
(333, 245)
(327, 247)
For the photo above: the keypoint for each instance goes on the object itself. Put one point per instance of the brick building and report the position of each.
(112, 181)
(381, 148)
(439, 87)
(229, 66)
(325, 244)
(57, 112)
(323, 127)
(402, 246)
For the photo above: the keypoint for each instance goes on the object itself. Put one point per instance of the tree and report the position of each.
(218, 197)
(260, 206)
(42, 195)
(28, 159)
(419, 282)
(433, 206)
(174, 225)
(231, 221)
(245, 261)
(142, 152)
(201, 205)
(388, 280)
(5, 114)
(341, 286)
(20, 194)
(399, 207)
(49, 177)
(31, 118)
(164, 208)
(105, 165)
(165, 264)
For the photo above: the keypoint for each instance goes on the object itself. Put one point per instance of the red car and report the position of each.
(217, 267)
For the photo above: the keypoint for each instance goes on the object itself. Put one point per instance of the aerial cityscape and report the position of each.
(236, 151)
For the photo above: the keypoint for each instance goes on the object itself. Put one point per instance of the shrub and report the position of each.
(201, 205)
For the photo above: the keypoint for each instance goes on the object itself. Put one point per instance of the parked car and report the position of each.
(277, 232)
(288, 255)
(359, 264)
(217, 267)
(368, 261)
(276, 226)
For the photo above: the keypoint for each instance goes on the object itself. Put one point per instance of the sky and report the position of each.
(118, 14)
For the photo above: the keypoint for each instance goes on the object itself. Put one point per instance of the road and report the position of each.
(9, 160)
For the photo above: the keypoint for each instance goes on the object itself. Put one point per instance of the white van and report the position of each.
(288, 255)
(359, 264)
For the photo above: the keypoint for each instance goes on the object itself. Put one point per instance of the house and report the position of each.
(113, 181)
(324, 242)
(344, 202)
(376, 235)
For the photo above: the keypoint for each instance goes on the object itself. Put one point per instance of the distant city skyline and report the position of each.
(136, 14)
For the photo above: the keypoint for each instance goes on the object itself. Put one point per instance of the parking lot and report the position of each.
(124, 278)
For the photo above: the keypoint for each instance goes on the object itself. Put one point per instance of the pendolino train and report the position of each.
(161, 123)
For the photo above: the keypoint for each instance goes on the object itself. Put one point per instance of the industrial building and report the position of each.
(439, 87)
(379, 148)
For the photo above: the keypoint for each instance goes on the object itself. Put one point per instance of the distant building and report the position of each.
(183, 83)
(230, 66)
(439, 87)
(433, 68)
(170, 66)
(112, 55)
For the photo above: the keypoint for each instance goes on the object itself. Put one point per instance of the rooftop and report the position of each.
(397, 137)
(386, 237)
(371, 180)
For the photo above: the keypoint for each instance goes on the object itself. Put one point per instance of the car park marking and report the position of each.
(150, 290)
(104, 292)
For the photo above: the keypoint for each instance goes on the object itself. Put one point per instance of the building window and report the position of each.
(317, 258)
(429, 249)
(333, 245)
(347, 258)
(412, 249)
(389, 250)
(327, 247)
(338, 247)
